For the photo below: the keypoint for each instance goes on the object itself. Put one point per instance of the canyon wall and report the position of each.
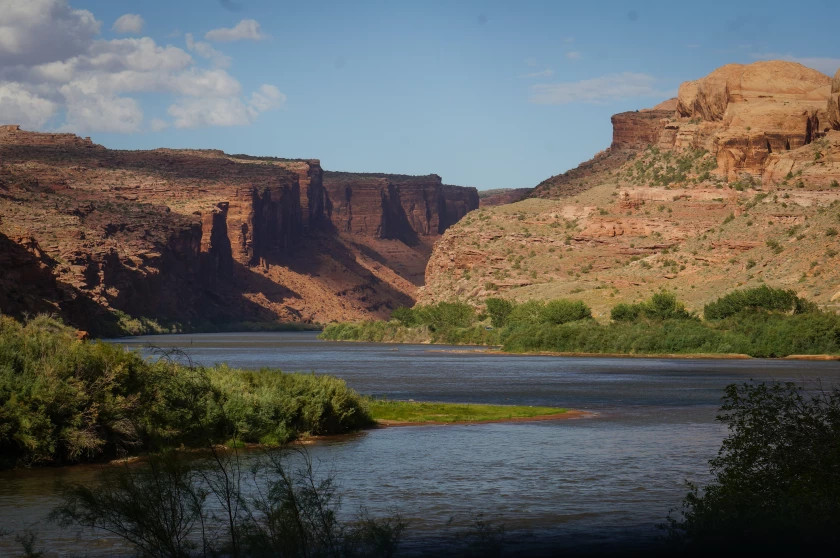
(200, 237)
(398, 207)
(730, 185)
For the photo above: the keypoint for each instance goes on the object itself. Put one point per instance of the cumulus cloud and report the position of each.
(21, 106)
(247, 29)
(54, 69)
(206, 50)
(93, 111)
(128, 23)
(601, 89)
(267, 97)
(158, 125)
(225, 111)
(825, 65)
(39, 31)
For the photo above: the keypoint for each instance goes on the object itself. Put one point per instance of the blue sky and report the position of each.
(488, 94)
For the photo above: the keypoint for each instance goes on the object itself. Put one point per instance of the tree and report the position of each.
(561, 311)
(776, 479)
(758, 298)
(498, 309)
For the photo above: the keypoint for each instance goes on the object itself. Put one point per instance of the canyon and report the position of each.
(734, 183)
(117, 241)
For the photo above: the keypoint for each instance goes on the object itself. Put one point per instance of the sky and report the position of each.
(485, 94)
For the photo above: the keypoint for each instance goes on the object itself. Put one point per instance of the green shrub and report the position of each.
(530, 312)
(445, 315)
(561, 311)
(759, 298)
(66, 400)
(406, 316)
(775, 482)
(624, 312)
(498, 309)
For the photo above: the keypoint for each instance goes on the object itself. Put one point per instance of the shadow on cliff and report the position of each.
(28, 287)
(323, 250)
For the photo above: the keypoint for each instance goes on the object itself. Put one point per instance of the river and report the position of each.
(598, 483)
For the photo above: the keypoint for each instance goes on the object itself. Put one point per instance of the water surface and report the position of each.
(600, 483)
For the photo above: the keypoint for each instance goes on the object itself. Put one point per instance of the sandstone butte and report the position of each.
(206, 239)
(732, 184)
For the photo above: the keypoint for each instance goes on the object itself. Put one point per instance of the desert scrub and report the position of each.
(63, 400)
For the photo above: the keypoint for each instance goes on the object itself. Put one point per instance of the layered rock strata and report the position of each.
(201, 237)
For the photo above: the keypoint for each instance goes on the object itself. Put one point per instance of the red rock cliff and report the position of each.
(200, 237)
(395, 206)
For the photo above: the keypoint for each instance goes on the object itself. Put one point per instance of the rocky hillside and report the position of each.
(203, 238)
(732, 184)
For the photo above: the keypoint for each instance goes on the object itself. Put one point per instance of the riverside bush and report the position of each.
(749, 322)
(775, 485)
(65, 400)
(759, 298)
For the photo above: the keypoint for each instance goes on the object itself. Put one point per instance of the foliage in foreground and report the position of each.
(65, 400)
(776, 478)
(760, 322)
(175, 506)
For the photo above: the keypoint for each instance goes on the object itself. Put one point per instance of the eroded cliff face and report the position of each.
(198, 237)
(730, 185)
(749, 117)
(397, 218)
(395, 206)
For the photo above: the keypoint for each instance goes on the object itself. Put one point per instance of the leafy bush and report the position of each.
(444, 315)
(758, 298)
(66, 400)
(776, 478)
(498, 309)
(624, 312)
(561, 311)
(406, 316)
(660, 306)
(530, 312)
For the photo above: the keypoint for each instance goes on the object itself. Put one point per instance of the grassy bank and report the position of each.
(63, 400)
(760, 322)
(408, 412)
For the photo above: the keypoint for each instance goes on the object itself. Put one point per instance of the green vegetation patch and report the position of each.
(63, 400)
(420, 412)
(760, 322)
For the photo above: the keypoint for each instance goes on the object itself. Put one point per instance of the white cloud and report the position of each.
(825, 65)
(206, 50)
(88, 111)
(128, 23)
(267, 97)
(54, 68)
(573, 55)
(221, 111)
(38, 31)
(247, 29)
(158, 125)
(18, 105)
(605, 88)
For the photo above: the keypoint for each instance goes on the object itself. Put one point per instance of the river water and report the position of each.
(602, 483)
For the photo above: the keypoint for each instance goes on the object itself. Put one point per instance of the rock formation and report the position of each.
(734, 183)
(204, 239)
